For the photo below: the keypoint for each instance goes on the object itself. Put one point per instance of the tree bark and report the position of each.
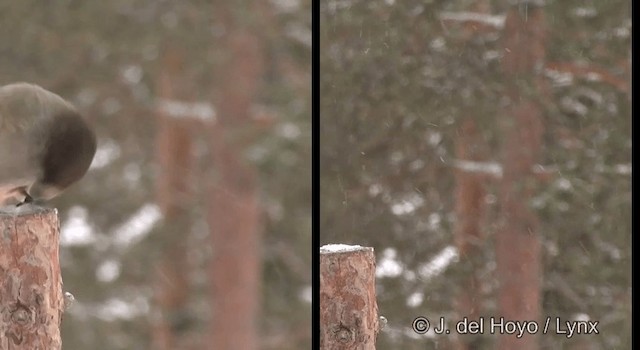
(518, 239)
(467, 233)
(348, 307)
(234, 212)
(31, 298)
(175, 161)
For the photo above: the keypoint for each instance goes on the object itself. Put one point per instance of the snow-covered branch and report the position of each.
(181, 109)
(496, 21)
(495, 170)
(490, 168)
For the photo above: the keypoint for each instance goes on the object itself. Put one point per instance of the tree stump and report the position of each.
(31, 299)
(348, 308)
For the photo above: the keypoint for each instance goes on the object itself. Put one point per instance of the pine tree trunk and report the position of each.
(519, 266)
(348, 307)
(175, 161)
(234, 212)
(468, 233)
(31, 299)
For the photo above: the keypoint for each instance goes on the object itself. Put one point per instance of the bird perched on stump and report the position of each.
(45, 144)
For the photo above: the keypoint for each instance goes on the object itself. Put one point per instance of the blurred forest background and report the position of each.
(483, 148)
(192, 228)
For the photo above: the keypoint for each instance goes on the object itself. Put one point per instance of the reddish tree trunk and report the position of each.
(234, 216)
(174, 157)
(467, 233)
(517, 240)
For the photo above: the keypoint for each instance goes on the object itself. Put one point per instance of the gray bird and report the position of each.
(45, 145)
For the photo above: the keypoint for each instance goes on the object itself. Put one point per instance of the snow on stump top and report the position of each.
(342, 248)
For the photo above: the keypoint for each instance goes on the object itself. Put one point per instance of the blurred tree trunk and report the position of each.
(467, 233)
(234, 214)
(469, 204)
(518, 239)
(174, 157)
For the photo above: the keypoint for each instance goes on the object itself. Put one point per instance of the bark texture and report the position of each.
(348, 307)
(31, 298)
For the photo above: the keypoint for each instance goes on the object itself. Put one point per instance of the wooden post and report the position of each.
(348, 308)
(31, 299)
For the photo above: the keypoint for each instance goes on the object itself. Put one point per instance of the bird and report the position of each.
(46, 145)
